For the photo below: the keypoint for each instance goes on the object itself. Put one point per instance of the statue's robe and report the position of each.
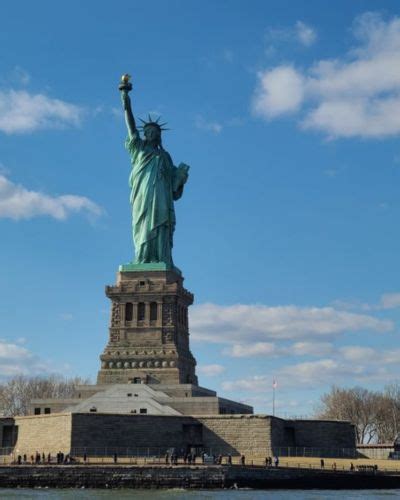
(155, 183)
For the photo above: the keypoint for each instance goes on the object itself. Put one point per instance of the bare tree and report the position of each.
(17, 392)
(376, 415)
(359, 406)
(389, 415)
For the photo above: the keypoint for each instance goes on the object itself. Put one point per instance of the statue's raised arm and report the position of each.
(125, 87)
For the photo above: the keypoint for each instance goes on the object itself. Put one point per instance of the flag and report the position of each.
(274, 384)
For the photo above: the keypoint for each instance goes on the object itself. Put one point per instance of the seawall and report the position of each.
(196, 477)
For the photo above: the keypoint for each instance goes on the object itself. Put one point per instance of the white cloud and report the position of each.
(299, 33)
(357, 95)
(310, 348)
(22, 112)
(364, 117)
(210, 126)
(246, 324)
(391, 356)
(256, 383)
(305, 34)
(17, 202)
(247, 350)
(17, 360)
(347, 365)
(386, 301)
(12, 351)
(210, 370)
(390, 300)
(358, 353)
(280, 91)
(271, 350)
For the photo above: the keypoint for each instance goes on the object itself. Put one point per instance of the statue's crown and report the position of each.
(152, 123)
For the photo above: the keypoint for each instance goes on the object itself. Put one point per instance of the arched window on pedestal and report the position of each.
(153, 311)
(141, 311)
(128, 311)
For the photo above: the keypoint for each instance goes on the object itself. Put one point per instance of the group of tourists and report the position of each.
(172, 458)
(352, 468)
(269, 461)
(189, 458)
(38, 459)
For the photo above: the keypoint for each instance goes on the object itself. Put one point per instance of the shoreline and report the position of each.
(190, 477)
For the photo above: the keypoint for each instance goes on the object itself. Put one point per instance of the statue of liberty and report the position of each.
(155, 184)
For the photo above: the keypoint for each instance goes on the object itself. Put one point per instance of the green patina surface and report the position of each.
(149, 266)
(155, 183)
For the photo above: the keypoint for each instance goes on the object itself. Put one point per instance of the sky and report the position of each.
(288, 114)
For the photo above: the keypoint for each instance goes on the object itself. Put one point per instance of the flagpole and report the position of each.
(273, 397)
(273, 400)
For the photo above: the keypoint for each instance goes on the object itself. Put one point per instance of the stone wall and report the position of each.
(43, 433)
(195, 406)
(198, 477)
(238, 434)
(255, 436)
(229, 406)
(323, 433)
(378, 452)
(185, 390)
(247, 435)
(319, 434)
(279, 433)
(100, 431)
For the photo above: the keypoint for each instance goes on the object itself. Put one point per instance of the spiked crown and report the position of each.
(152, 123)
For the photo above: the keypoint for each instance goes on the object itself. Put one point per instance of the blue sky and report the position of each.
(288, 114)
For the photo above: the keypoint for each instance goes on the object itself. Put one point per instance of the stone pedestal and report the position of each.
(149, 330)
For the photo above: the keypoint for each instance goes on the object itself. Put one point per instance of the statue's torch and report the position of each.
(125, 83)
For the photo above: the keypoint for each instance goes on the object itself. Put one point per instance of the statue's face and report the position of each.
(152, 134)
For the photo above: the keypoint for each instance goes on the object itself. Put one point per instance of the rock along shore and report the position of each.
(194, 477)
